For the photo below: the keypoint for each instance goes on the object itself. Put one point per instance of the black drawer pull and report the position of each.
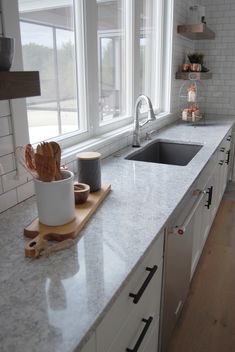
(221, 162)
(142, 335)
(209, 201)
(138, 295)
(229, 138)
(228, 157)
(222, 149)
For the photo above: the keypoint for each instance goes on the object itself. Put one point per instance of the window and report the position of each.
(48, 46)
(95, 57)
(150, 48)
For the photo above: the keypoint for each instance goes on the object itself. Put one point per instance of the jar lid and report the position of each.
(88, 155)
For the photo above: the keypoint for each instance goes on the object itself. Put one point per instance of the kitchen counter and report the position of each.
(55, 303)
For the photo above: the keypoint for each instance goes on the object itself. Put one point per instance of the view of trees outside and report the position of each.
(50, 51)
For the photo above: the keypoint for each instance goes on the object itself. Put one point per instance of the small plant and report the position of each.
(196, 58)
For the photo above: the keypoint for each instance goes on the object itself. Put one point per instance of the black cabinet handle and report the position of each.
(222, 149)
(229, 138)
(228, 157)
(142, 335)
(138, 295)
(209, 201)
(221, 162)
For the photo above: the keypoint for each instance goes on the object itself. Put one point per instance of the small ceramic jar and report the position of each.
(89, 170)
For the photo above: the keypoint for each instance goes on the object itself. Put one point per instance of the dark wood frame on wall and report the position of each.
(19, 84)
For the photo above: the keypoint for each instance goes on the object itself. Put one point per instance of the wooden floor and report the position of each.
(207, 322)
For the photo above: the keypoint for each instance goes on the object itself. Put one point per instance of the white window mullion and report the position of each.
(132, 29)
(91, 58)
(167, 55)
(149, 64)
(157, 47)
(80, 63)
(82, 67)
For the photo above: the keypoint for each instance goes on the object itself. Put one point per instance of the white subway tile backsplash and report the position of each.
(1, 188)
(4, 108)
(7, 200)
(4, 126)
(13, 180)
(7, 164)
(6, 145)
(219, 56)
(25, 191)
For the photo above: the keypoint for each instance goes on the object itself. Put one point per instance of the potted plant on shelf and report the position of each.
(196, 62)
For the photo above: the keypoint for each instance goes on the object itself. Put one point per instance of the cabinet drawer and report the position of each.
(123, 307)
(139, 326)
(152, 343)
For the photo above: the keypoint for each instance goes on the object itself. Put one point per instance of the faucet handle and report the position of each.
(148, 135)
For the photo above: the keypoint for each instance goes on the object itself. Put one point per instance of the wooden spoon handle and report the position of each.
(46, 167)
(57, 155)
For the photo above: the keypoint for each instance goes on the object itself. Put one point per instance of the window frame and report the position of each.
(85, 11)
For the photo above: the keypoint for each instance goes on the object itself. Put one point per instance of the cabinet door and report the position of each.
(139, 326)
(208, 208)
(122, 325)
(198, 234)
(152, 343)
(224, 162)
(223, 165)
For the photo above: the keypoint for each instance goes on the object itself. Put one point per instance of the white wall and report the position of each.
(15, 189)
(220, 57)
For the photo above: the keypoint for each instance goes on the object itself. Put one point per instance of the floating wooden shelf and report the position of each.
(19, 84)
(193, 75)
(196, 31)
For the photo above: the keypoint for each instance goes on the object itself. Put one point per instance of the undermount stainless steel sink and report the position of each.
(165, 152)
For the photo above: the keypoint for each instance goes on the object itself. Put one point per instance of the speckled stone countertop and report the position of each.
(55, 303)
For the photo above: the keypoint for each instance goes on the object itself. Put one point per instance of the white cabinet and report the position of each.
(186, 234)
(133, 318)
(224, 160)
(212, 182)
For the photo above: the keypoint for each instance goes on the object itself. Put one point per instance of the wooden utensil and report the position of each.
(57, 155)
(46, 167)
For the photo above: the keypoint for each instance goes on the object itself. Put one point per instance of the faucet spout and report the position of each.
(137, 124)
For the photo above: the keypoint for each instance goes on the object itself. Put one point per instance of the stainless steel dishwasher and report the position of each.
(177, 264)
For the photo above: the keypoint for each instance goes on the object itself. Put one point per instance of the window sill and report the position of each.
(110, 142)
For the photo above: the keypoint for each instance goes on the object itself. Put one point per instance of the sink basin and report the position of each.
(164, 152)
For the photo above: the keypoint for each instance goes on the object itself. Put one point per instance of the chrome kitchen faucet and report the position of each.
(137, 124)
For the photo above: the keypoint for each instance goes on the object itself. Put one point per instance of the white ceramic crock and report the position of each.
(55, 200)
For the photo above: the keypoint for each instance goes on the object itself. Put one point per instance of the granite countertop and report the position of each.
(55, 303)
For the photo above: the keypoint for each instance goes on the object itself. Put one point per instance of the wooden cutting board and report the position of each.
(42, 234)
